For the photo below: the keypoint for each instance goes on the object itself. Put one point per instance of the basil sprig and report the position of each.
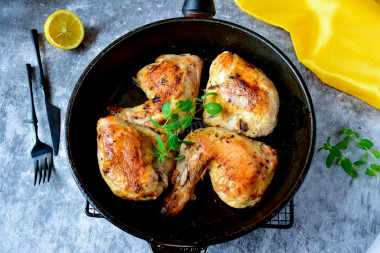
(351, 168)
(173, 126)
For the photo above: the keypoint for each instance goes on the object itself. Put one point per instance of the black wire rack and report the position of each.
(91, 212)
(283, 220)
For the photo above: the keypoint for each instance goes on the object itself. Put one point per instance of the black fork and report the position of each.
(42, 154)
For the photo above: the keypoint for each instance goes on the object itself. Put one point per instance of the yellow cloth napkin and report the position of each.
(339, 40)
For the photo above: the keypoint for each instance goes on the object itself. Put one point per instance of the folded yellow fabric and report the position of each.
(339, 40)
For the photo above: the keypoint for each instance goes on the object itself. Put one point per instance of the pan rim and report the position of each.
(200, 243)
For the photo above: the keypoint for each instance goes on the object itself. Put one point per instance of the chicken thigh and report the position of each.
(240, 168)
(127, 162)
(249, 99)
(171, 77)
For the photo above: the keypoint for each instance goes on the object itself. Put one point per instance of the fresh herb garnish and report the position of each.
(335, 154)
(213, 108)
(173, 126)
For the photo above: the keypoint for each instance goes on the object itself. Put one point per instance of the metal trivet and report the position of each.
(283, 220)
(91, 212)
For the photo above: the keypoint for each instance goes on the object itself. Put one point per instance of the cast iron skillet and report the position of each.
(107, 81)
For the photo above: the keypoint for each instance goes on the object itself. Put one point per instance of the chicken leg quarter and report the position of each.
(240, 168)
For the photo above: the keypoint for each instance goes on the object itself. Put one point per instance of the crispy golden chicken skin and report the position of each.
(250, 100)
(171, 77)
(127, 162)
(240, 168)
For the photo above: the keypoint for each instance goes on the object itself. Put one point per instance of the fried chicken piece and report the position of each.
(240, 168)
(171, 78)
(127, 162)
(249, 99)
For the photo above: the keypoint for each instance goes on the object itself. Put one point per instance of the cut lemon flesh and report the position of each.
(64, 29)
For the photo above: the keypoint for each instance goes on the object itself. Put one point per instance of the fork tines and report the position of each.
(41, 153)
(46, 168)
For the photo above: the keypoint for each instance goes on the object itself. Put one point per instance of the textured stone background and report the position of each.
(333, 212)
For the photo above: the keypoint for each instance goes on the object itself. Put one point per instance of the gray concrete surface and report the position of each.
(333, 213)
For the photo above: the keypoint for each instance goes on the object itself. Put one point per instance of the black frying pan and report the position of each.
(107, 81)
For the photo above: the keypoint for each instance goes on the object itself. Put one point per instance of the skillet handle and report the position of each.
(198, 8)
(159, 248)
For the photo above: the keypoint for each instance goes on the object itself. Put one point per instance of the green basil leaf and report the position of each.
(173, 126)
(357, 135)
(168, 132)
(343, 130)
(174, 117)
(161, 144)
(373, 167)
(192, 109)
(378, 168)
(209, 94)
(178, 103)
(344, 143)
(156, 151)
(354, 174)
(177, 158)
(158, 154)
(198, 99)
(365, 144)
(364, 157)
(359, 163)
(172, 143)
(187, 142)
(346, 165)
(376, 154)
(370, 173)
(213, 108)
(166, 109)
(154, 122)
(196, 118)
(186, 121)
(335, 151)
(186, 105)
(329, 160)
(328, 141)
(325, 147)
(348, 131)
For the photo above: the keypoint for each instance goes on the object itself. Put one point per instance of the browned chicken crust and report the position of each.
(249, 99)
(240, 168)
(127, 162)
(125, 140)
(171, 77)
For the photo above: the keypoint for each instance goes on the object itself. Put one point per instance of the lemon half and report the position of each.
(64, 29)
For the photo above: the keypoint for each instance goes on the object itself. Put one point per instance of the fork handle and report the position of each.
(34, 116)
(34, 35)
